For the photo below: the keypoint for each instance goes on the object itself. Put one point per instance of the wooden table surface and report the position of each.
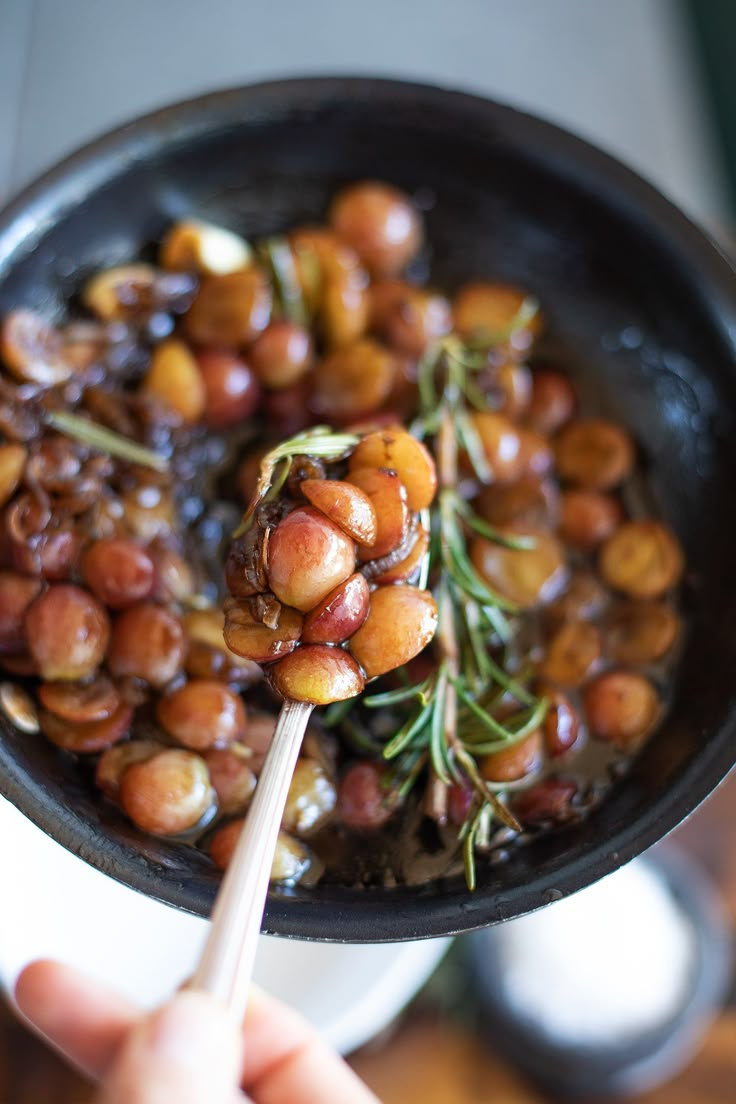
(428, 1057)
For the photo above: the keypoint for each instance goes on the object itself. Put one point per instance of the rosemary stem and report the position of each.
(447, 643)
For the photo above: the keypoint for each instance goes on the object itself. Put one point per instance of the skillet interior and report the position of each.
(645, 306)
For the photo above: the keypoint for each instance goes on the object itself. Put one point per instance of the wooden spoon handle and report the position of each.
(226, 965)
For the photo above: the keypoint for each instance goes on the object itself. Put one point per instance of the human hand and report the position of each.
(189, 1051)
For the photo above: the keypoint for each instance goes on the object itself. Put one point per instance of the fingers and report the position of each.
(188, 1051)
(286, 1061)
(78, 1016)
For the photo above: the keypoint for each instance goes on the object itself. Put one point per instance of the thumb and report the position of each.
(188, 1051)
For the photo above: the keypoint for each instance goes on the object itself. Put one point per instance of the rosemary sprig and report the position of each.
(105, 440)
(320, 442)
(279, 257)
(453, 712)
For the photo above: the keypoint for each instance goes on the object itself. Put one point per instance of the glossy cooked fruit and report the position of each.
(380, 223)
(561, 724)
(516, 762)
(281, 354)
(67, 631)
(115, 294)
(621, 707)
(231, 391)
(12, 464)
(525, 577)
(572, 653)
(311, 799)
(246, 636)
(229, 311)
(397, 451)
(308, 556)
(594, 454)
(31, 349)
(80, 702)
(232, 777)
(345, 504)
(147, 642)
(119, 571)
(352, 382)
(408, 318)
(553, 401)
(501, 441)
(202, 714)
(197, 246)
(642, 559)
(115, 760)
(16, 594)
(340, 614)
(401, 622)
(363, 801)
(168, 793)
(528, 501)
(588, 517)
(174, 377)
(90, 737)
(318, 674)
(583, 598)
(387, 495)
(640, 632)
(548, 802)
(404, 570)
(493, 312)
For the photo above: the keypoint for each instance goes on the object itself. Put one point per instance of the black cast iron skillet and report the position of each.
(644, 302)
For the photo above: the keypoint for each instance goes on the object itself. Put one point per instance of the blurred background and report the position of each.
(651, 81)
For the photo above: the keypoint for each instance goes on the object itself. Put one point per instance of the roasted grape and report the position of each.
(408, 318)
(318, 674)
(640, 632)
(231, 391)
(67, 632)
(119, 572)
(642, 559)
(553, 401)
(308, 557)
(588, 517)
(232, 777)
(16, 594)
(401, 622)
(363, 802)
(80, 702)
(524, 576)
(621, 707)
(516, 762)
(246, 636)
(387, 495)
(399, 452)
(380, 223)
(346, 505)
(168, 793)
(281, 355)
(202, 714)
(147, 642)
(175, 378)
(594, 454)
(571, 654)
(352, 382)
(311, 801)
(229, 310)
(338, 616)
